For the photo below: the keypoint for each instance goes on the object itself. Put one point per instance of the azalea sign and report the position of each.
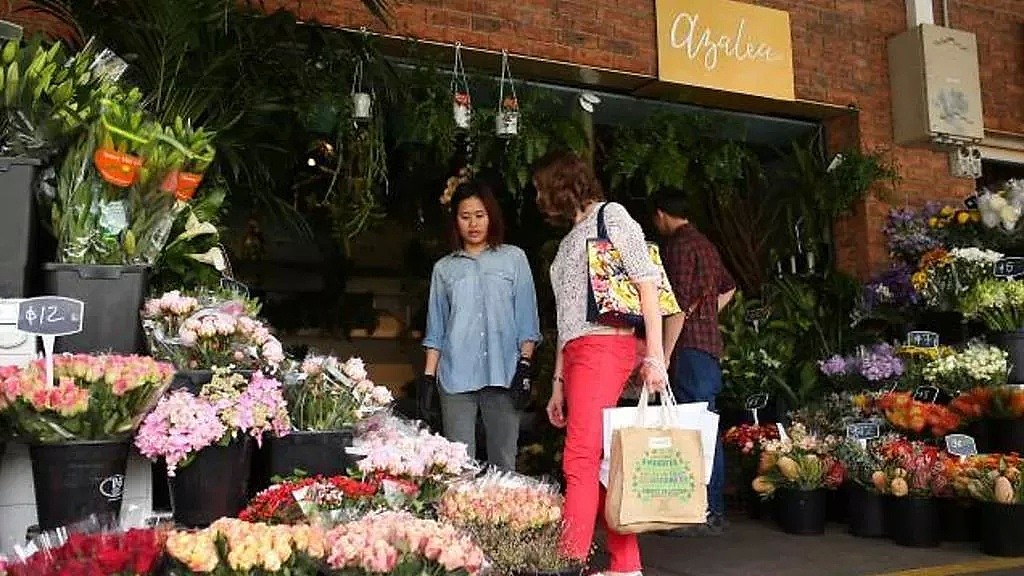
(725, 45)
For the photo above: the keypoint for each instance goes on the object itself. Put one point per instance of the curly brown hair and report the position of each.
(565, 184)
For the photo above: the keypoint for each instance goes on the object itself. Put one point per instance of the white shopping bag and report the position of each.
(693, 416)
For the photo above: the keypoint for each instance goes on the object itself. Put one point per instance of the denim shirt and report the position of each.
(481, 309)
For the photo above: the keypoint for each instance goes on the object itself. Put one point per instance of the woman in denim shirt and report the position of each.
(482, 327)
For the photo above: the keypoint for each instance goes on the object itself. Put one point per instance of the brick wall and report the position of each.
(839, 57)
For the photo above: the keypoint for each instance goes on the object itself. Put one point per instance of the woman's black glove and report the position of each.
(428, 398)
(521, 389)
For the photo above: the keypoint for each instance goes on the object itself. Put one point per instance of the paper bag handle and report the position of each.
(668, 401)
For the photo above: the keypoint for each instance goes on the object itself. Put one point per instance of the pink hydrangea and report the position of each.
(180, 425)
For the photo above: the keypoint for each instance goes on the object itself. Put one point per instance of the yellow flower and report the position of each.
(947, 211)
(918, 280)
(962, 217)
(975, 216)
(933, 222)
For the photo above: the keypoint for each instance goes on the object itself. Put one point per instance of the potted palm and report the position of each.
(205, 441)
(797, 471)
(326, 398)
(83, 423)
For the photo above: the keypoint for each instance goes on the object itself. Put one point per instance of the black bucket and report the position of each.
(312, 453)
(801, 512)
(1002, 529)
(113, 297)
(1007, 435)
(959, 519)
(914, 522)
(573, 571)
(1013, 344)
(191, 380)
(837, 504)
(17, 226)
(981, 431)
(213, 485)
(77, 479)
(866, 512)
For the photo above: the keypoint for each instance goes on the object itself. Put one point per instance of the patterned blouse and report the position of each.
(569, 274)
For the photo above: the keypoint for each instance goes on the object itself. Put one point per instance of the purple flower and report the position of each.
(891, 288)
(880, 364)
(834, 366)
(908, 235)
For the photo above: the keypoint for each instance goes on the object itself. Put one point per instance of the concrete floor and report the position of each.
(758, 548)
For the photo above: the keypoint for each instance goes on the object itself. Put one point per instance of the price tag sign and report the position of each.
(49, 317)
(863, 431)
(961, 445)
(759, 314)
(1011, 267)
(232, 285)
(756, 402)
(926, 394)
(922, 339)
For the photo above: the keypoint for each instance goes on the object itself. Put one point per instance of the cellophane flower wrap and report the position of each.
(909, 415)
(232, 547)
(209, 330)
(324, 501)
(912, 468)
(90, 547)
(993, 478)
(516, 520)
(997, 303)
(325, 393)
(800, 461)
(976, 365)
(93, 397)
(399, 543)
(227, 408)
(862, 460)
(746, 438)
(943, 277)
(398, 450)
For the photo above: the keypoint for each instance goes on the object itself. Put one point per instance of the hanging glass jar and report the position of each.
(362, 101)
(462, 106)
(506, 123)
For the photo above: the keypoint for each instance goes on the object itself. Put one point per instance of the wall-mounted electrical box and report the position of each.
(936, 87)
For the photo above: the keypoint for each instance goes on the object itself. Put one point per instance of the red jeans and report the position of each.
(594, 371)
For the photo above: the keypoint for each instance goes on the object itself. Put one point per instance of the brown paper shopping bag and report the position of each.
(656, 480)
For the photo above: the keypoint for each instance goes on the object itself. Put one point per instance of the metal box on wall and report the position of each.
(936, 87)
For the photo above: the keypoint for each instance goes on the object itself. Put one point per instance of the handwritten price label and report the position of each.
(961, 445)
(757, 314)
(1012, 267)
(863, 431)
(756, 401)
(922, 339)
(50, 316)
(926, 394)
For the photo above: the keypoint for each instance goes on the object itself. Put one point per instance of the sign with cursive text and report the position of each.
(725, 45)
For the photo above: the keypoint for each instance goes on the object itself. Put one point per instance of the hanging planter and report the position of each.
(362, 101)
(462, 106)
(506, 123)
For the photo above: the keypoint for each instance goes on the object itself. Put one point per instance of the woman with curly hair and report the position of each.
(593, 361)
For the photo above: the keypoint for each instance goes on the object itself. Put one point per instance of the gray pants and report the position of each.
(501, 423)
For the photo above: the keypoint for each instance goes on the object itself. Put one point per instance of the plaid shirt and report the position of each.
(698, 277)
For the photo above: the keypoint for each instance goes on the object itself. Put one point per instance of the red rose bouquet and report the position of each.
(746, 438)
(295, 501)
(132, 553)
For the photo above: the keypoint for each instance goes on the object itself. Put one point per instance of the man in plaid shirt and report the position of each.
(692, 339)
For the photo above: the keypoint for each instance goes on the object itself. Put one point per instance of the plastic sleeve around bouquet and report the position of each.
(182, 348)
(502, 498)
(101, 543)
